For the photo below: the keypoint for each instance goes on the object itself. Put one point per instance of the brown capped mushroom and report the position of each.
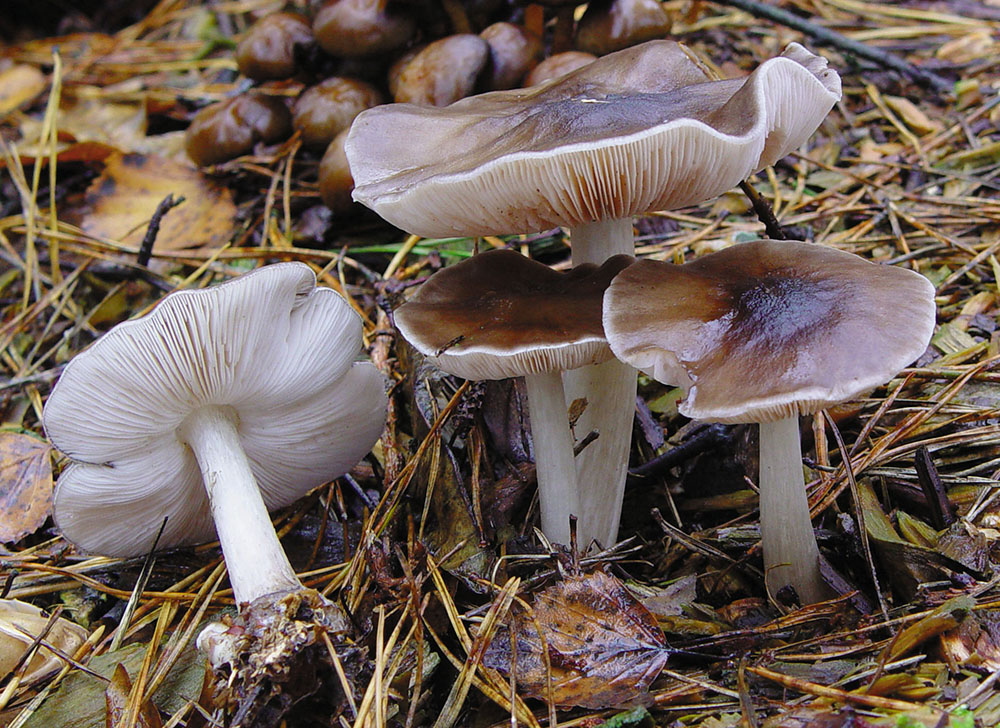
(233, 127)
(611, 25)
(444, 72)
(267, 50)
(637, 130)
(335, 181)
(764, 332)
(558, 65)
(513, 52)
(499, 315)
(352, 28)
(328, 108)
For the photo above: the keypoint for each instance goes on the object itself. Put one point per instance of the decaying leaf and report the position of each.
(20, 624)
(116, 696)
(603, 648)
(25, 485)
(80, 700)
(121, 201)
(19, 84)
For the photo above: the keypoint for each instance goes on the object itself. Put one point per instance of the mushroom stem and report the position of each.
(554, 463)
(256, 562)
(791, 556)
(609, 389)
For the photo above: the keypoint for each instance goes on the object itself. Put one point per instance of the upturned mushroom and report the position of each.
(637, 130)
(764, 332)
(500, 315)
(220, 404)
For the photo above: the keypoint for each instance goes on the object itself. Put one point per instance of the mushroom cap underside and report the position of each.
(271, 346)
(637, 130)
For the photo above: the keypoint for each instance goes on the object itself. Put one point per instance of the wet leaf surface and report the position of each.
(121, 201)
(25, 484)
(586, 641)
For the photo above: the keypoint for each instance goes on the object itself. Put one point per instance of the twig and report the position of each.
(764, 212)
(146, 249)
(825, 36)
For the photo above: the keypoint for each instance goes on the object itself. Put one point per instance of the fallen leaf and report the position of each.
(116, 699)
(19, 84)
(603, 647)
(911, 115)
(80, 699)
(121, 201)
(25, 485)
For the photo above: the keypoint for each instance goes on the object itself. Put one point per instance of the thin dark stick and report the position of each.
(825, 36)
(146, 249)
(764, 212)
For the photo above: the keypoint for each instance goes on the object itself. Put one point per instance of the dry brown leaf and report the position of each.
(911, 115)
(116, 697)
(19, 84)
(121, 201)
(603, 646)
(25, 485)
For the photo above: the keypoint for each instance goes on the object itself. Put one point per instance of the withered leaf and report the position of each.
(121, 201)
(604, 648)
(116, 697)
(25, 485)
(19, 84)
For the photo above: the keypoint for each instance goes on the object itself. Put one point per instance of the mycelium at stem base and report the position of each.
(791, 555)
(610, 389)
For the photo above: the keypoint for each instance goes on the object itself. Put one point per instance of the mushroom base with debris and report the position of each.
(277, 661)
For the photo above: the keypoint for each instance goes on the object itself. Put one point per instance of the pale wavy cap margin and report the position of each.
(282, 356)
(720, 395)
(431, 171)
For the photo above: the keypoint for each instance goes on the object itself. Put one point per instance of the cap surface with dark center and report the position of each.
(769, 329)
(500, 314)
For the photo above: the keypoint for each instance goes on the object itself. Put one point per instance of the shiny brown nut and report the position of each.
(232, 127)
(611, 25)
(324, 110)
(267, 50)
(513, 52)
(444, 72)
(558, 65)
(335, 181)
(396, 69)
(350, 28)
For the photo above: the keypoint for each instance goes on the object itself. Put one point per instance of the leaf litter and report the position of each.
(459, 609)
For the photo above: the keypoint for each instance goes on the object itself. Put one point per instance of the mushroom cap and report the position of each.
(500, 314)
(271, 346)
(769, 329)
(637, 130)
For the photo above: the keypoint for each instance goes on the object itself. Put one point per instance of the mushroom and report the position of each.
(513, 52)
(443, 72)
(764, 332)
(322, 111)
(361, 28)
(499, 315)
(611, 25)
(557, 65)
(641, 129)
(268, 49)
(229, 128)
(220, 404)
